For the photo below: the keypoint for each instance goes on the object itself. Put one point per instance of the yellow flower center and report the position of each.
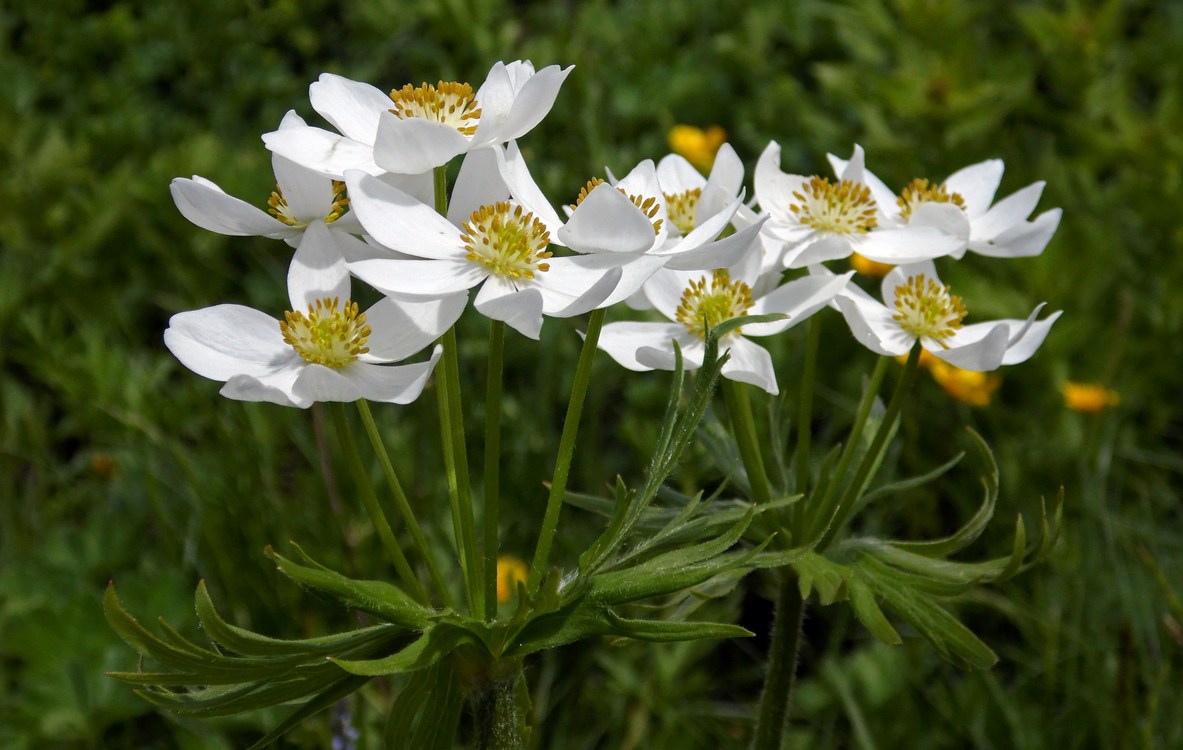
(330, 334)
(507, 240)
(920, 191)
(647, 206)
(683, 209)
(708, 302)
(843, 208)
(278, 206)
(452, 104)
(926, 309)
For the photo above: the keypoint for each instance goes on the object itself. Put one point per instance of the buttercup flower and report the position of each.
(814, 219)
(698, 146)
(1089, 398)
(919, 307)
(487, 240)
(323, 350)
(962, 206)
(967, 386)
(694, 301)
(510, 572)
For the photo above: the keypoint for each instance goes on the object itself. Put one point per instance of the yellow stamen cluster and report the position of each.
(648, 206)
(926, 309)
(330, 334)
(708, 302)
(278, 207)
(507, 240)
(920, 191)
(340, 202)
(452, 104)
(843, 208)
(683, 209)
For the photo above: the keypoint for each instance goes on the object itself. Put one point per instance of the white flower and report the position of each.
(429, 125)
(694, 301)
(816, 220)
(961, 206)
(919, 307)
(486, 240)
(323, 350)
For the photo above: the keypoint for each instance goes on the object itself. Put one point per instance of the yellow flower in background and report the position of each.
(868, 267)
(967, 386)
(1089, 397)
(510, 571)
(696, 145)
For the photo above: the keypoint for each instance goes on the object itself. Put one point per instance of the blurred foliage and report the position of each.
(116, 463)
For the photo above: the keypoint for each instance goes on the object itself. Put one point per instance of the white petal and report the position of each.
(662, 357)
(885, 199)
(909, 244)
(855, 169)
(676, 175)
(226, 340)
(798, 299)
(273, 388)
(723, 253)
(946, 217)
(872, 325)
(421, 187)
(724, 183)
(524, 190)
(623, 340)
(423, 278)
(982, 355)
(533, 101)
(899, 276)
(748, 363)
(478, 184)
(328, 153)
(1006, 213)
(1021, 349)
(400, 222)
(774, 188)
(416, 145)
(399, 328)
(825, 247)
(1024, 240)
(397, 384)
(977, 184)
(622, 280)
(209, 207)
(317, 270)
(606, 221)
(352, 107)
(520, 309)
(308, 193)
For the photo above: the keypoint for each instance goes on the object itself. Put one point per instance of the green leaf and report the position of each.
(438, 640)
(862, 601)
(379, 598)
(662, 631)
(827, 576)
(322, 700)
(426, 712)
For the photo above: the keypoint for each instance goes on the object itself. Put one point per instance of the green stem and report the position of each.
(370, 500)
(782, 664)
(820, 514)
(871, 457)
(456, 462)
(404, 505)
(493, 461)
(558, 485)
(497, 711)
(743, 426)
(805, 405)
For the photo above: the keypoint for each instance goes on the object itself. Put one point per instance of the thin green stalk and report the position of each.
(739, 410)
(782, 664)
(846, 505)
(400, 498)
(821, 513)
(493, 461)
(558, 485)
(498, 713)
(370, 500)
(805, 405)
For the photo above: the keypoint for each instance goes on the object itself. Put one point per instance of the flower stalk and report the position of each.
(743, 425)
(782, 663)
(493, 462)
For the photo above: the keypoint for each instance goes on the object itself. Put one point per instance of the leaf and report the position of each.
(379, 598)
(828, 577)
(322, 700)
(662, 631)
(438, 640)
(862, 601)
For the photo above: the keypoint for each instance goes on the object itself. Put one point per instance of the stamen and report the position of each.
(280, 210)
(844, 208)
(919, 191)
(330, 334)
(926, 309)
(707, 303)
(507, 240)
(340, 202)
(683, 209)
(449, 103)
